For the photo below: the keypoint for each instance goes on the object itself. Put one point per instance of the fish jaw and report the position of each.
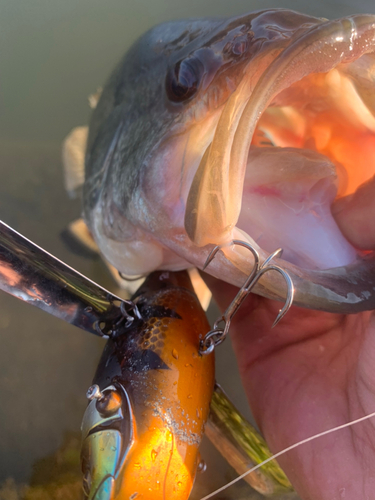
(199, 180)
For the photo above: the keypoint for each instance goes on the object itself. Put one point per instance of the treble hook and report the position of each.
(217, 335)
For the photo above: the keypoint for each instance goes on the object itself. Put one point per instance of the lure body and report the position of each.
(141, 440)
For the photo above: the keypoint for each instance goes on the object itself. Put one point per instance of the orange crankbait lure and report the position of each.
(150, 401)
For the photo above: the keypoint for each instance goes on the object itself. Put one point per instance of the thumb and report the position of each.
(355, 216)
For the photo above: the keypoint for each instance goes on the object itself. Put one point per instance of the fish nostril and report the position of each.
(239, 47)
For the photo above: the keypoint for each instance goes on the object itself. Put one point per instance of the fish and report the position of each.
(141, 435)
(247, 128)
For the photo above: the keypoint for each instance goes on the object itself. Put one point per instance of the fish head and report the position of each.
(246, 128)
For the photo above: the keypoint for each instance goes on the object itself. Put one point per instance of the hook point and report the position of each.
(278, 318)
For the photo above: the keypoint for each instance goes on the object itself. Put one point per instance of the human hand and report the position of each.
(312, 372)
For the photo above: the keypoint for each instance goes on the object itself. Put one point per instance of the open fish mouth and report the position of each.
(314, 117)
(291, 129)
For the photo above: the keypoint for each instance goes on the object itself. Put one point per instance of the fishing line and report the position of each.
(278, 454)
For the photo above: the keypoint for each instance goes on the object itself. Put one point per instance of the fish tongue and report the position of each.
(286, 203)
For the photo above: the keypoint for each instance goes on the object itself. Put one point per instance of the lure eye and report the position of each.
(183, 80)
(108, 404)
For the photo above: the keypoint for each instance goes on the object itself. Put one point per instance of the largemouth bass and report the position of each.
(247, 128)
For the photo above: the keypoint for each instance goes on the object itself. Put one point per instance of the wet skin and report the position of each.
(314, 371)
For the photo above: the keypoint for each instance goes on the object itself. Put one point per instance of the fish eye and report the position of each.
(183, 80)
(109, 404)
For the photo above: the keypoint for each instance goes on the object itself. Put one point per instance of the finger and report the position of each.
(355, 216)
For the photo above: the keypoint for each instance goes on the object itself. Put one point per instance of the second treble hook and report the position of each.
(218, 334)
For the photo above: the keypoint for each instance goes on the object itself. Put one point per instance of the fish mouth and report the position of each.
(307, 121)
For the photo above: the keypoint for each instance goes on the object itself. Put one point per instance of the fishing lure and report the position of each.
(150, 399)
(33, 275)
(152, 390)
